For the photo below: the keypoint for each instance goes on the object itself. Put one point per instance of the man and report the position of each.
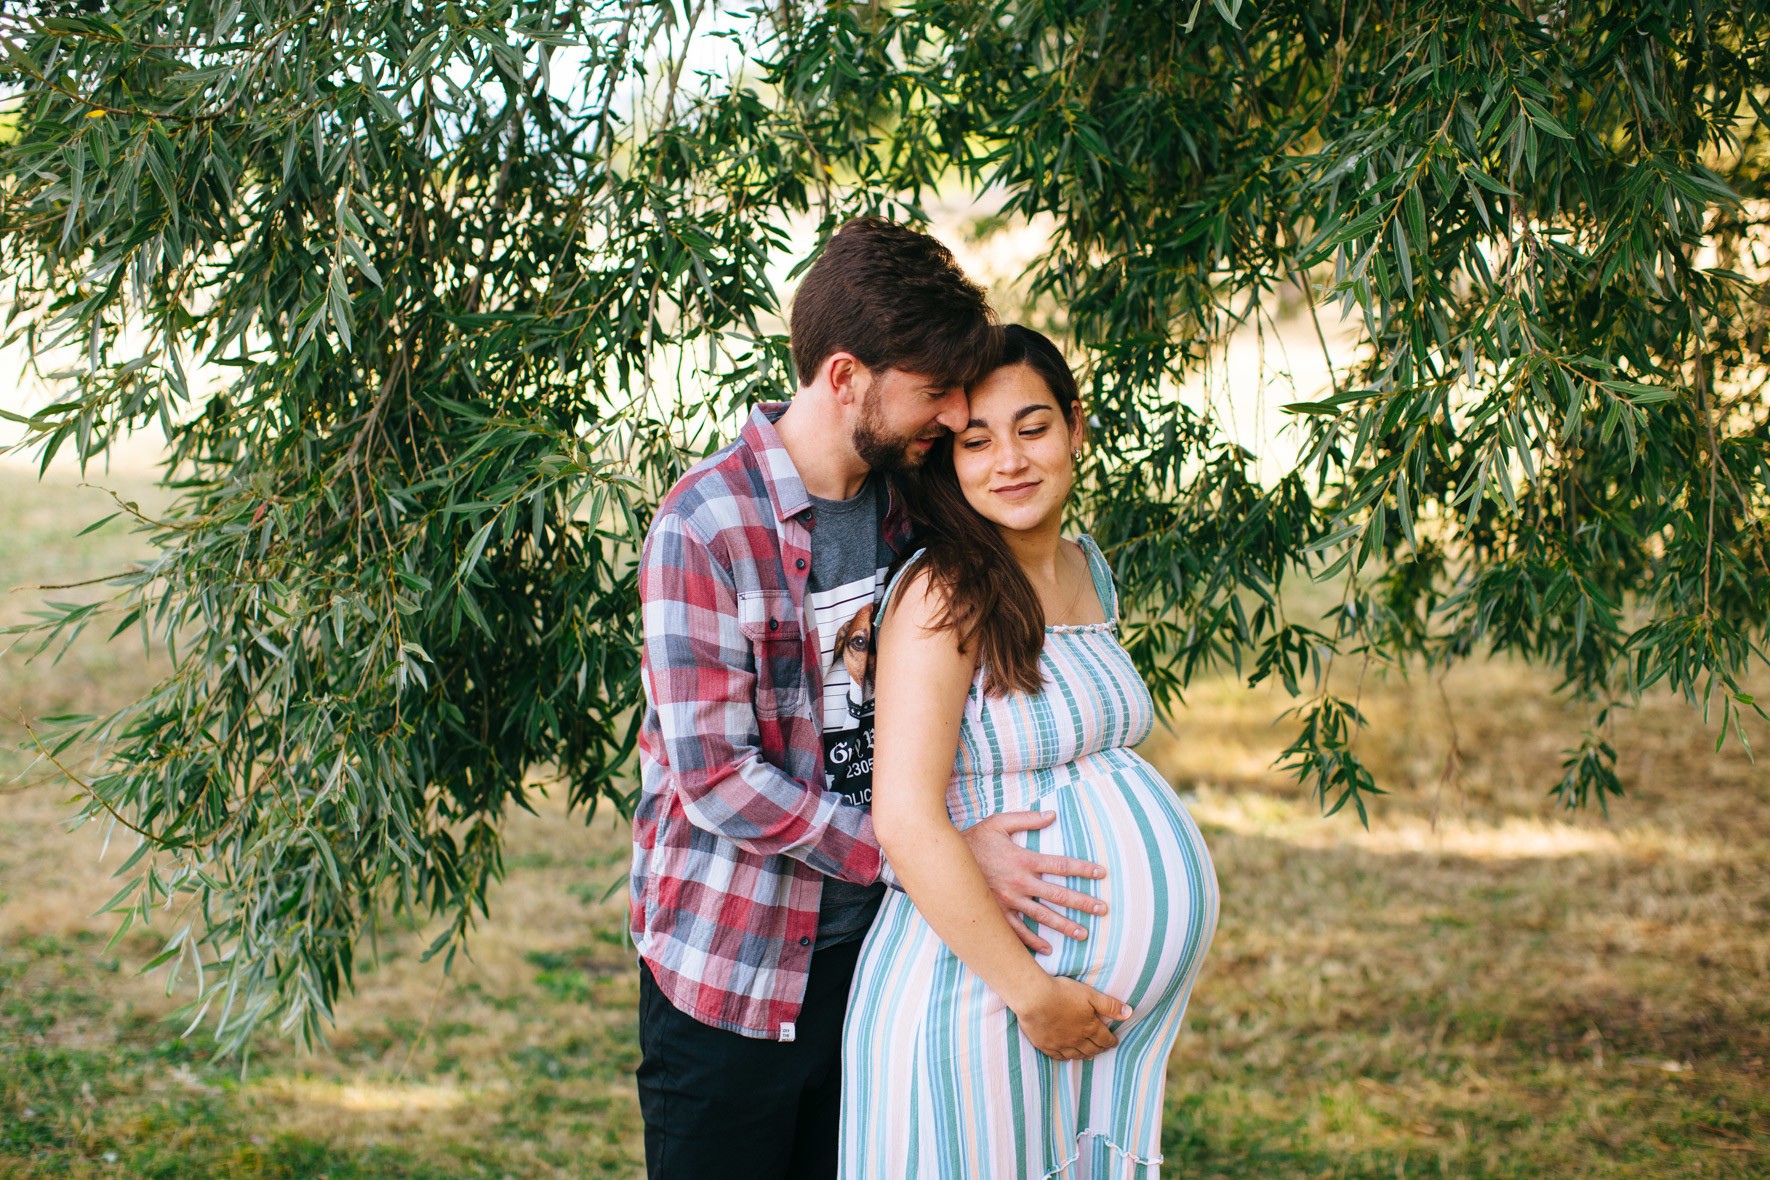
(755, 868)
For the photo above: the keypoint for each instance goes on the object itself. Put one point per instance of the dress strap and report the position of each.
(1109, 595)
(896, 581)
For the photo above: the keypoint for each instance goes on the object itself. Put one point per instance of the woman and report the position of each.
(1001, 685)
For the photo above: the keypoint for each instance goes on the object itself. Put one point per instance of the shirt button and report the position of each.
(804, 942)
(800, 564)
(774, 624)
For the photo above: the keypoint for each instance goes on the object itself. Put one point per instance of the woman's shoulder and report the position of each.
(912, 591)
(917, 612)
(901, 570)
(1100, 571)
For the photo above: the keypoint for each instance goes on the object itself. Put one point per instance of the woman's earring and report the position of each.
(1076, 455)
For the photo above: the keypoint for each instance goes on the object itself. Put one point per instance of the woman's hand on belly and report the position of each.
(1066, 1018)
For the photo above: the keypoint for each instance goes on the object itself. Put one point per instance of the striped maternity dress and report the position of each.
(937, 1081)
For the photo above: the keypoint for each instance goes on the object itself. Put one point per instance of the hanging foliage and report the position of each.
(433, 300)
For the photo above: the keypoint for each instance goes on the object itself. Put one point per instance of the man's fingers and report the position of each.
(1065, 866)
(1029, 937)
(1052, 919)
(1022, 821)
(1069, 899)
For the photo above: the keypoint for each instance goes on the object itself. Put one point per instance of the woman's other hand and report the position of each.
(1067, 1019)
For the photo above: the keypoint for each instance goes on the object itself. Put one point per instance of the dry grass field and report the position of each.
(1477, 987)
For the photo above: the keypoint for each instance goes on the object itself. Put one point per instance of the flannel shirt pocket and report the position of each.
(778, 646)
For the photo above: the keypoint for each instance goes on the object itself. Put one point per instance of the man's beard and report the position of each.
(876, 448)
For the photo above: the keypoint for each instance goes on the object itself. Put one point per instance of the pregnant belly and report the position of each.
(1160, 887)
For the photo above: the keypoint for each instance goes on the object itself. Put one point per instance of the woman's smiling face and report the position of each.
(1013, 458)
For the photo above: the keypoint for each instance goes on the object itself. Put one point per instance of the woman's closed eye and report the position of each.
(978, 442)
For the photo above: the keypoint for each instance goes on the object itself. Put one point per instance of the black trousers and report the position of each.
(719, 1106)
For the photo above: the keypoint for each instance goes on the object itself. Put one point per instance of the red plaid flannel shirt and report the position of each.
(734, 832)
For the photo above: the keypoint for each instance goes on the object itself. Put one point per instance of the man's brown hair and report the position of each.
(896, 299)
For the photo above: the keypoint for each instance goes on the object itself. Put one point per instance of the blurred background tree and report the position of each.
(433, 300)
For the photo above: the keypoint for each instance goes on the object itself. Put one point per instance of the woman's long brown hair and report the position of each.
(990, 602)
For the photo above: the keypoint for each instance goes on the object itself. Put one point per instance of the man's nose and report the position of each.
(955, 410)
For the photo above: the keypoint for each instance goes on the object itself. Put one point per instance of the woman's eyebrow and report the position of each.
(1022, 412)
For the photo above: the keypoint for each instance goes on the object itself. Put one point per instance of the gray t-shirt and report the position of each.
(849, 559)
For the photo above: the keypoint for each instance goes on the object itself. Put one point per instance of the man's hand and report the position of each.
(1016, 876)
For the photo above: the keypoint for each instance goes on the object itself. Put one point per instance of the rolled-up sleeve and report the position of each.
(700, 676)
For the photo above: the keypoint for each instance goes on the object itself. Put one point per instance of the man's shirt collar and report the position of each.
(786, 491)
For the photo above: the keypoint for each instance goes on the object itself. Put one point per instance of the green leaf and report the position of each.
(1541, 118)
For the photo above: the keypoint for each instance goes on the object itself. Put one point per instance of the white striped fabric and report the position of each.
(937, 1080)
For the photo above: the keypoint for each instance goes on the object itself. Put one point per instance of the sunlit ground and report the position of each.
(1478, 986)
